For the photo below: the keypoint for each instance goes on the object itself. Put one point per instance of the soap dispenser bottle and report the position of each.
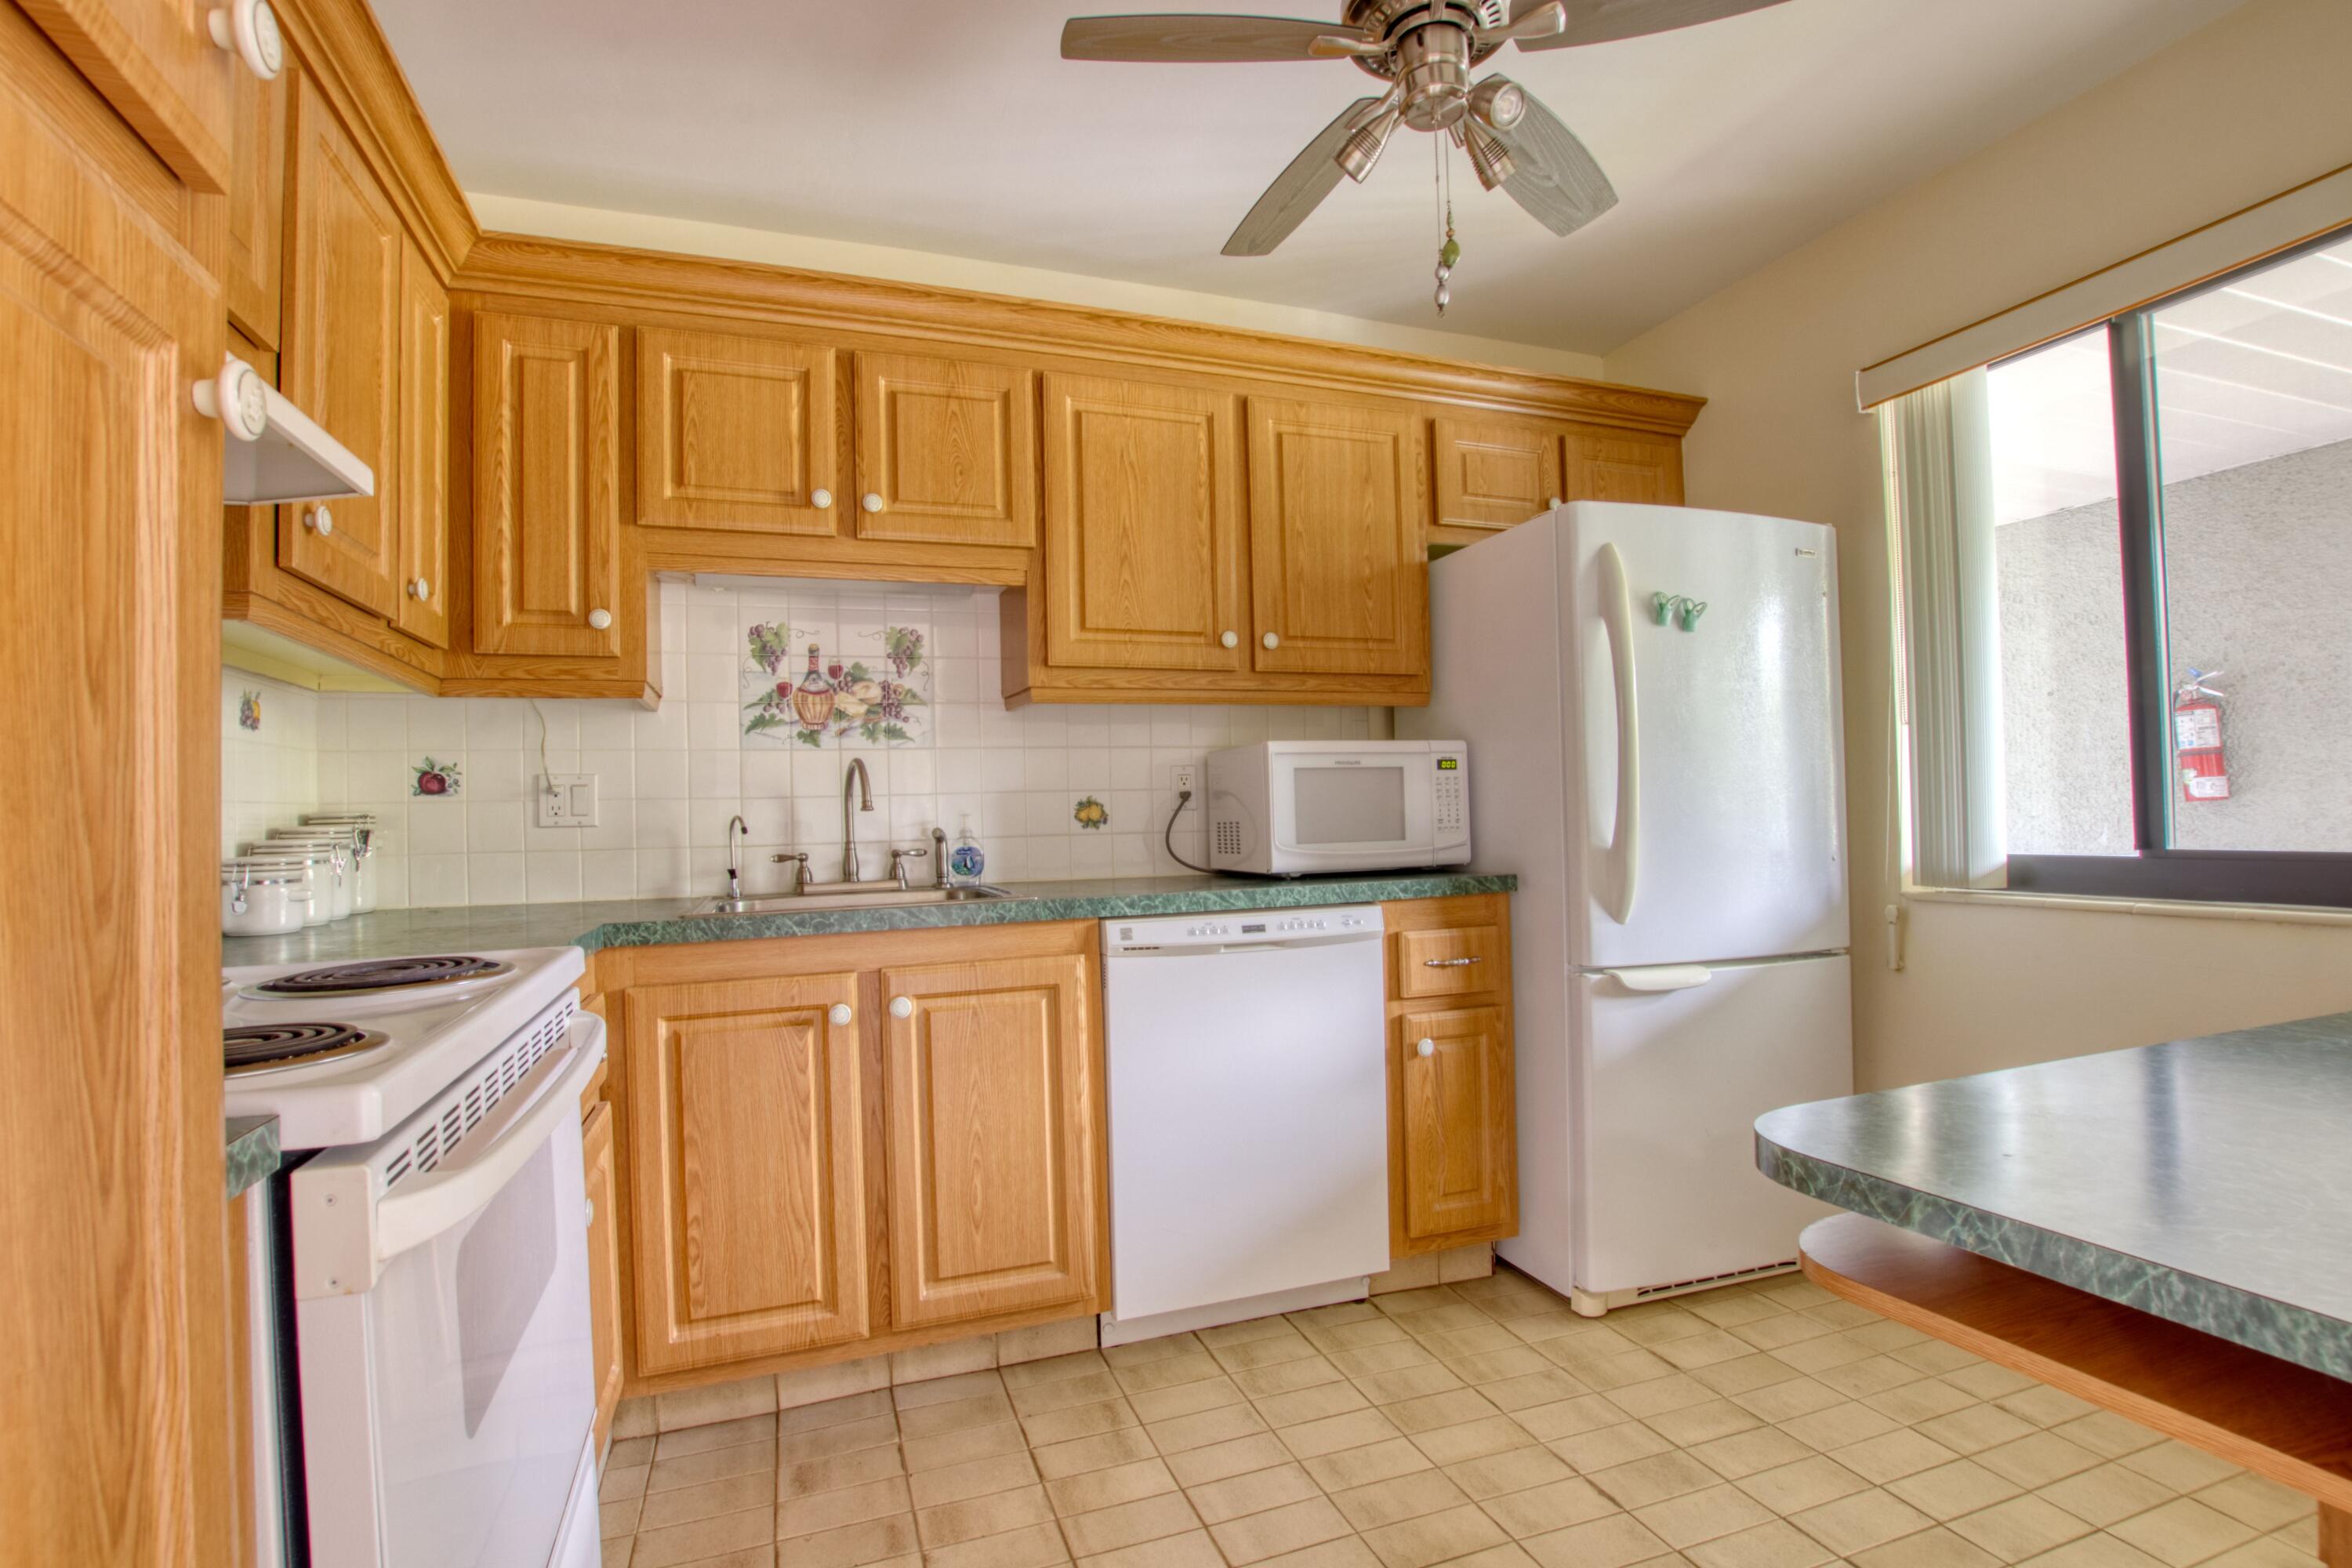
(966, 861)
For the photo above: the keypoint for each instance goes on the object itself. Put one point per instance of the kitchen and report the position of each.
(634, 584)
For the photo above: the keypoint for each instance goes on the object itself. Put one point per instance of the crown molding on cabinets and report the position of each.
(613, 274)
(342, 47)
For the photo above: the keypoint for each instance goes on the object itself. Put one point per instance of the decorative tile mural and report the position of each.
(433, 778)
(809, 682)
(1091, 814)
(248, 710)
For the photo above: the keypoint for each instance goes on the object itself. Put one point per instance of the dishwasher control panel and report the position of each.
(1241, 929)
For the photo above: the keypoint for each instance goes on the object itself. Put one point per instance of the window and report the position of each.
(2127, 565)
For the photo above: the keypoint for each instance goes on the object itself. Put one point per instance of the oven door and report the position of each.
(447, 1409)
(1350, 811)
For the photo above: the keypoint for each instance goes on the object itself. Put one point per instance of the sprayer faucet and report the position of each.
(855, 775)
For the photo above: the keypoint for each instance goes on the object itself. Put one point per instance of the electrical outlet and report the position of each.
(567, 800)
(1180, 778)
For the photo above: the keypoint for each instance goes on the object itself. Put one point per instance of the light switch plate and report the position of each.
(567, 800)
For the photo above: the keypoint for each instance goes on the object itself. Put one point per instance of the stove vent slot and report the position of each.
(464, 1104)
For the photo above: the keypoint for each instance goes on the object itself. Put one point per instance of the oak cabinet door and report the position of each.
(992, 1137)
(1493, 473)
(746, 1169)
(155, 61)
(604, 1265)
(735, 432)
(424, 490)
(547, 485)
(1338, 569)
(341, 363)
(946, 451)
(1623, 465)
(1460, 1150)
(253, 216)
(1143, 526)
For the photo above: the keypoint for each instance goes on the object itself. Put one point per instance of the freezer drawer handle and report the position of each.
(1663, 977)
(1449, 962)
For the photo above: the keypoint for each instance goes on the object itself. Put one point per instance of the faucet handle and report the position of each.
(898, 858)
(798, 860)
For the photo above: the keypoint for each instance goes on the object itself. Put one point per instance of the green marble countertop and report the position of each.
(252, 1151)
(656, 923)
(2208, 1181)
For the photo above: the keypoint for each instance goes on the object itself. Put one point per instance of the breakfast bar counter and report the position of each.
(2166, 1231)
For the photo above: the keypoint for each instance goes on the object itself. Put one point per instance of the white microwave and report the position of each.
(1291, 808)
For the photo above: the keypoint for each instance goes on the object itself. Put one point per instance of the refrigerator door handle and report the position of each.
(1626, 842)
(1663, 977)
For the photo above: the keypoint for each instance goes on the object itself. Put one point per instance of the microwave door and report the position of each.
(1346, 811)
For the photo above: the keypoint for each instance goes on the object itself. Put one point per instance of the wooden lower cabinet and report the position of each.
(1453, 1110)
(604, 1263)
(746, 1155)
(992, 1134)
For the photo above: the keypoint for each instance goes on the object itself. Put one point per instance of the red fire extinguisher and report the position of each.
(2197, 739)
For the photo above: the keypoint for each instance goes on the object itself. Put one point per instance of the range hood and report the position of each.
(273, 451)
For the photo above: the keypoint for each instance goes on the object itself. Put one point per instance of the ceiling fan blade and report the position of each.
(1606, 21)
(1193, 41)
(1556, 179)
(1298, 190)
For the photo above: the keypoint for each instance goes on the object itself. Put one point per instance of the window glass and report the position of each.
(2253, 400)
(2058, 555)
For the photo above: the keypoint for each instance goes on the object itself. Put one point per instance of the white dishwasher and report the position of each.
(1248, 1115)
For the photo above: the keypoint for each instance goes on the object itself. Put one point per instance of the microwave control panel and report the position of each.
(1450, 799)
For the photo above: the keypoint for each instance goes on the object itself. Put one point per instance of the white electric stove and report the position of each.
(437, 1271)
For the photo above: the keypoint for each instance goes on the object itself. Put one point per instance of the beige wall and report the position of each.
(2229, 115)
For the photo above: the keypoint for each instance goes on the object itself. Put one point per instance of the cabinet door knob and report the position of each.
(1230, 639)
(600, 619)
(1424, 1047)
(1553, 502)
(1270, 640)
(319, 519)
(420, 589)
(588, 1211)
(238, 397)
(820, 498)
(839, 1012)
(248, 29)
(902, 1006)
(870, 501)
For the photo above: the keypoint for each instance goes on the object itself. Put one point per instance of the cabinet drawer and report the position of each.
(1452, 962)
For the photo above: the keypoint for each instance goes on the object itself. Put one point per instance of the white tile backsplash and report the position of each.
(943, 750)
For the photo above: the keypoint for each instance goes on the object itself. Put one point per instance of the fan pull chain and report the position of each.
(1450, 252)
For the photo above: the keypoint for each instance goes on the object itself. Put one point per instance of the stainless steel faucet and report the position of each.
(737, 831)
(855, 775)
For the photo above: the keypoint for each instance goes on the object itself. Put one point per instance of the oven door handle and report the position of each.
(424, 1206)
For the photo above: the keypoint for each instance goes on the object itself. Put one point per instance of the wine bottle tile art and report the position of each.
(820, 671)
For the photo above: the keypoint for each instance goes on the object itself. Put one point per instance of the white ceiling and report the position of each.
(2252, 370)
(954, 127)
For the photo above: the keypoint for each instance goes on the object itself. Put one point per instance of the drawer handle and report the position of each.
(839, 1012)
(902, 1006)
(1448, 962)
(1425, 1047)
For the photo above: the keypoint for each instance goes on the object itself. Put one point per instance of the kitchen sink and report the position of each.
(881, 897)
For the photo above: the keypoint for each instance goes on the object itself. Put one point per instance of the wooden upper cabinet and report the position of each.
(994, 1137)
(155, 61)
(342, 352)
(1143, 526)
(423, 492)
(746, 1171)
(946, 451)
(1339, 565)
(1623, 464)
(736, 432)
(1493, 473)
(1461, 1156)
(604, 1265)
(253, 216)
(547, 485)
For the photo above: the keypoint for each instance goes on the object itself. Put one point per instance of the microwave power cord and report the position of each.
(1184, 796)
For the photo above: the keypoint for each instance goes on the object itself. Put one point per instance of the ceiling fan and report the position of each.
(1424, 50)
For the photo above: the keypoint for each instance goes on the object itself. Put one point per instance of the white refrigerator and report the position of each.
(1650, 695)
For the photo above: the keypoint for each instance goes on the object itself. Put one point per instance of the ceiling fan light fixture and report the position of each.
(1489, 159)
(1499, 103)
(1364, 145)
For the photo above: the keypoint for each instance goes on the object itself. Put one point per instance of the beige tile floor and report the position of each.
(1768, 1426)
